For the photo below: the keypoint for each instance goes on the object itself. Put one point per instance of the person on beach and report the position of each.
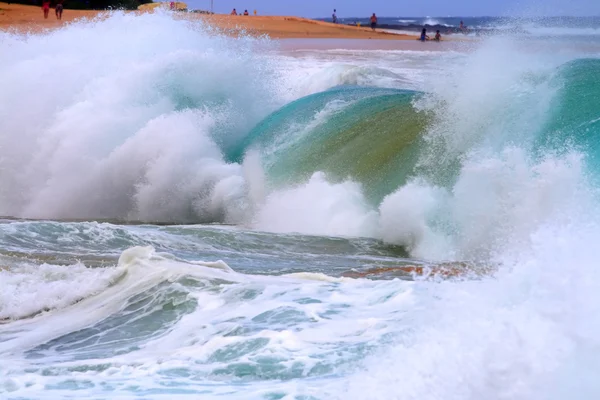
(334, 17)
(424, 36)
(255, 13)
(58, 10)
(438, 36)
(234, 12)
(246, 12)
(46, 8)
(373, 21)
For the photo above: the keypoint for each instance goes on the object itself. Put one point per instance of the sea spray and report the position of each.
(496, 180)
(127, 117)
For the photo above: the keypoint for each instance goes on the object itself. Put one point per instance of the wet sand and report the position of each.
(310, 44)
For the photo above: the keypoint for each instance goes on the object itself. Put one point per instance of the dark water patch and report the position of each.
(237, 350)
(147, 315)
(71, 384)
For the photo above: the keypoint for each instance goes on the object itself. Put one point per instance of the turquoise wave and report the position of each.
(375, 135)
(370, 135)
(574, 120)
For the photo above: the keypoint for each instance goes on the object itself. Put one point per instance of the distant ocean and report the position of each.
(482, 25)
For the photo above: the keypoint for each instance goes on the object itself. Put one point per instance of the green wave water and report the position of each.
(369, 135)
(575, 113)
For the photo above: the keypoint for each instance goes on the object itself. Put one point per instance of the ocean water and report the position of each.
(188, 215)
(528, 26)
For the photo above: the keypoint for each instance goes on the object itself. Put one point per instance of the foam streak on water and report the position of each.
(485, 161)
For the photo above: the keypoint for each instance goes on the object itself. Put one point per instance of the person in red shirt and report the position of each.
(46, 8)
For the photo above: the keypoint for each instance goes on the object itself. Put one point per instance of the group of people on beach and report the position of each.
(58, 8)
(234, 12)
(424, 37)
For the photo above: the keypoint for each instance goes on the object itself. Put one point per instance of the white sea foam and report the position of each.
(99, 293)
(318, 207)
(29, 289)
(107, 126)
(488, 114)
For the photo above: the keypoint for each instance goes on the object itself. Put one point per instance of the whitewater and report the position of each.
(191, 215)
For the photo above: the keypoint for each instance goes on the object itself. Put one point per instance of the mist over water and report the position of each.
(327, 163)
(105, 127)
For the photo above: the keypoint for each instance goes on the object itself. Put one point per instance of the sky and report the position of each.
(433, 8)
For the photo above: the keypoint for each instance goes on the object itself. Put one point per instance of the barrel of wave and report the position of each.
(369, 135)
(574, 120)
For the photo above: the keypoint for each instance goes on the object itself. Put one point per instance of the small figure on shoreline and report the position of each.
(373, 21)
(438, 36)
(246, 12)
(234, 12)
(424, 36)
(58, 10)
(334, 17)
(46, 8)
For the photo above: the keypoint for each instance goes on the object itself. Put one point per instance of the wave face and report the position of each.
(574, 116)
(369, 135)
(164, 138)
(488, 163)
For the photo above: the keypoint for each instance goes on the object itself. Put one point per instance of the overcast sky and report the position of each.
(433, 8)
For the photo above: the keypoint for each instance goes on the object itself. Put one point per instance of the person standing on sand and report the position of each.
(373, 21)
(59, 9)
(334, 17)
(46, 8)
(234, 12)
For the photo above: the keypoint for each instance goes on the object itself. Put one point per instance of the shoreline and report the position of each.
(23, 19)
(349, 44)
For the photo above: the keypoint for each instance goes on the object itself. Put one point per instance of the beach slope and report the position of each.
(24, 18)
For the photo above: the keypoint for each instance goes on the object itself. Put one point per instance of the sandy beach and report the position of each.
(23, 18)
(296, 27)
(31, 19)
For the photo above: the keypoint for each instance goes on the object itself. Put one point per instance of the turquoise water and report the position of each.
(282, 227)
(335, 131)
(575, 117)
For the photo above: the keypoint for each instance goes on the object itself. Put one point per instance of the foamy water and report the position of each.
(134, 118)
